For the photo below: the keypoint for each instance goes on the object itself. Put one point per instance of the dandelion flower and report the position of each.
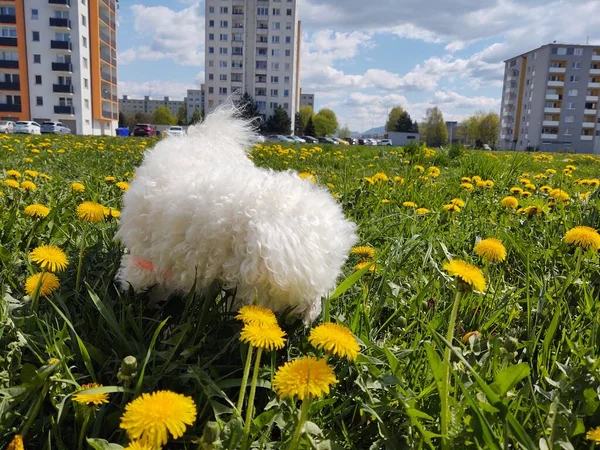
(307, 176)
(37, 211)
(77, 187)
(336, 339)
(458, 202)
(409, 204)
(510, 202)
(49, 257)
(550, 171)
(530, 187)
(364, 251)
(467, 336)
(559, 194)
(380, 177)
(256, 314)
(361, 265)
(591, 435)
(516, 190)
(88, 399)
(420, 168)
(16, 443)
(150, 418)
(481, 184)
(306, 377)
(109, 179)
(476, 178)
(110, 213)
(268, 337)
(451, 208)
(584, 237)
(465, 180)
(90, 212)
(468, 273)
(49, 283)
(32, 173)
(491, 250)
(28, 185)
(422, 211)
(545, 189)
(570, 167)
(123, 185)
(12, 183)
(137, 445)
(466, 186)
(385, 201)
(524, 181)
(489, 184)
(13, 173)
(532, 211)
(526, 194)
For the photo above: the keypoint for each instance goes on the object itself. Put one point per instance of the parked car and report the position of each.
(175, 130)
(6, 126)
(27, 127)
(372, 141)
(386, 142)
(310, 139)
(351, 141)
(340, 141)
(487, 147)
(297, 139)
(257, 138)
(327, 140)
(143, 129)
(279, 138)
(54, 128)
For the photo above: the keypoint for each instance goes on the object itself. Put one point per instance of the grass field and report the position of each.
(443, 363)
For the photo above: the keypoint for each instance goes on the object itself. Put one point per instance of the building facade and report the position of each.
(550, 100)
(131, 106)
(58, 63)
(252, 46)
(307, 100)
(194, 101)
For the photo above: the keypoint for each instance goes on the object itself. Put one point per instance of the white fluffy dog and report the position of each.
(199, 210)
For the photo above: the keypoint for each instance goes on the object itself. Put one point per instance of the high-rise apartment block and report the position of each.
(307, 99)
(58, 61)
(550, 100)
(253, 46)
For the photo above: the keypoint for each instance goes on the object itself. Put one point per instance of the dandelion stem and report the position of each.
(445, 388)
(301, 421)
(80, 263)
(35, 300)
(240, 402)
(84, 427)
(250, 408)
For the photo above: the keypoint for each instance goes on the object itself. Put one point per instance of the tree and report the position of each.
(162, 116)
(433, 129)
(393, 117)
(481, 128)
(489, 126)
(139, 117)
(305, 113)
(344, 132)
(325, 122)
(415, 128)
(298, 128)
(310, 128)
(122, 120)
(196, 117)
(248, 107)
(182, 116)
(404, 123)
(279, 122)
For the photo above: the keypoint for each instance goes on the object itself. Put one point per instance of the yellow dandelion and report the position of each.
(434, 172)
(584, 237)
(250, 314)
(50, 258)
(110, 213)
(545, 189)
(466, 186)
(489, 184)
(150, 418)
(422, 211)
(45, 176)
(584, 195)
(458, 202)
(385, 201)
(481, 184)
(559, 194)
(90, 212)
(306, 377)
(12, 183)
(380, 177)
(137, 445)
(28, 185)
(28, 160)
(268, 337)
(109, 179)
(533, 211)
(89, 399)
(593, 435)
(510, 202)
(570, 167)
(516, 190)
(465, 180)
(468, 273)
(530, 187)
(307, 176)
(32, 173)
(16, 443)
(467, 336)
(77, 187)
(361, 265)
(336, 339)
(550, 171)
(409, 204)
(13, 173)
(491, 250)
(476, 178)
(363, 251)
(420, 168)
(452, 208)
(526, 194)
(398, 180)
(37, 211)
(524, 181)
(123, 185)
(48, 284)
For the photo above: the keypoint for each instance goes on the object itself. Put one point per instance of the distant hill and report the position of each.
(378, 130)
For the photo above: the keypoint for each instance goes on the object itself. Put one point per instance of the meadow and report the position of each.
(473, 297)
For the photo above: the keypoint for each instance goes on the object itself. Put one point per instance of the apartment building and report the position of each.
(148, 105)
(58, 61)
(307, 100)
(550, 100)
(253, 46)
(194, 101)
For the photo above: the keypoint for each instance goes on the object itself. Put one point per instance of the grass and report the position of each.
(529, 378)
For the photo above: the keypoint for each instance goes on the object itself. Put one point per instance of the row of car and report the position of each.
(327, 140)
(31, 127)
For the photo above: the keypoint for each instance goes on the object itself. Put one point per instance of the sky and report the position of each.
(361, 58)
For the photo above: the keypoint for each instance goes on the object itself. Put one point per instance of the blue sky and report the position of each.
(361, 58)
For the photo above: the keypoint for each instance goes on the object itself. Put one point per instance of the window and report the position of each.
(572, 92)
(211, 76)
(38, 79)
(576, 65)
(274, 79)
(222, 91)
(288, 39)
(286, 92)
(274, 105)
(262, 11)
(288, 67)
(569, 119)
(288, 25)
(224, 10)
(211, 9)
(288, 12)
(574, 78)
(211, 50)
(39, 101)
(211, 63)
(275, 66)
(276, 25)
(276, 11)
(275, 52)
(211, 36)
(237, 51)
(559, 51)
(86, 103)
(35, 14)
(288, 53)
(223, 37)
(578, 52)
(83, 21)
(261, 65)
(535, 56)
(260, 92)
(274, 92)
(572, 105)
(211, 23)
(224, 24)
(223, 64)
(223, 77)
(286, 80)
(37, 59)
(275, 39)
(568, 132)
(211, 90)
(237, 64)
(85, 63)
(36, 35)
(85, 83)
(223, 50)
(84, 41)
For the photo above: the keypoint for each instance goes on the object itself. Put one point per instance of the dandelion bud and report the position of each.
(211, 437)
(128, 369)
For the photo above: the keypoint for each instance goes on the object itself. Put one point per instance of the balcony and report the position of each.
(8, 42)
(549, 136)
(595, 57)
(550, 123)
(8, 64)
(591, 98)
(553, 97)
(10, 107)
(65, 110)
(509, 101)
(552, 110)
(57, 22)
(510, 89)
(65, 3)
(63, 88)
(593, 85)
(585, 137)
(511, 78)
(588, 124)
(7, 86)
(556, 83)
(590, 112)
(594, 71)
(506, 137)
(61, 45)
(507, 113)
(62, 67)
(558, 70)
(6, 18)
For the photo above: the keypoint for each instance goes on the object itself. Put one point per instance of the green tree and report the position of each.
(162, 116)
(393, 117)
(182, 116)
(489, 126)
(139, 117)
(344, 132)
(196, 117)
(404, 123)
(415, 127)
(279, 122)
(247, 107)
(433, 129)
(325, 122)
(480, 128)
(298, 128)
(310, 128)
(305, 113)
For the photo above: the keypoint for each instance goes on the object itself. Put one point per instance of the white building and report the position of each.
(253, 46)
(69, 52)
(194, 101)
(130, 106)
(307, 100)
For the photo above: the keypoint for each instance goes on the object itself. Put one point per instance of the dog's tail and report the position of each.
(226, 124)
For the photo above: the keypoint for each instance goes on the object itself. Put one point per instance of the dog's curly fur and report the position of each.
(199, 210)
